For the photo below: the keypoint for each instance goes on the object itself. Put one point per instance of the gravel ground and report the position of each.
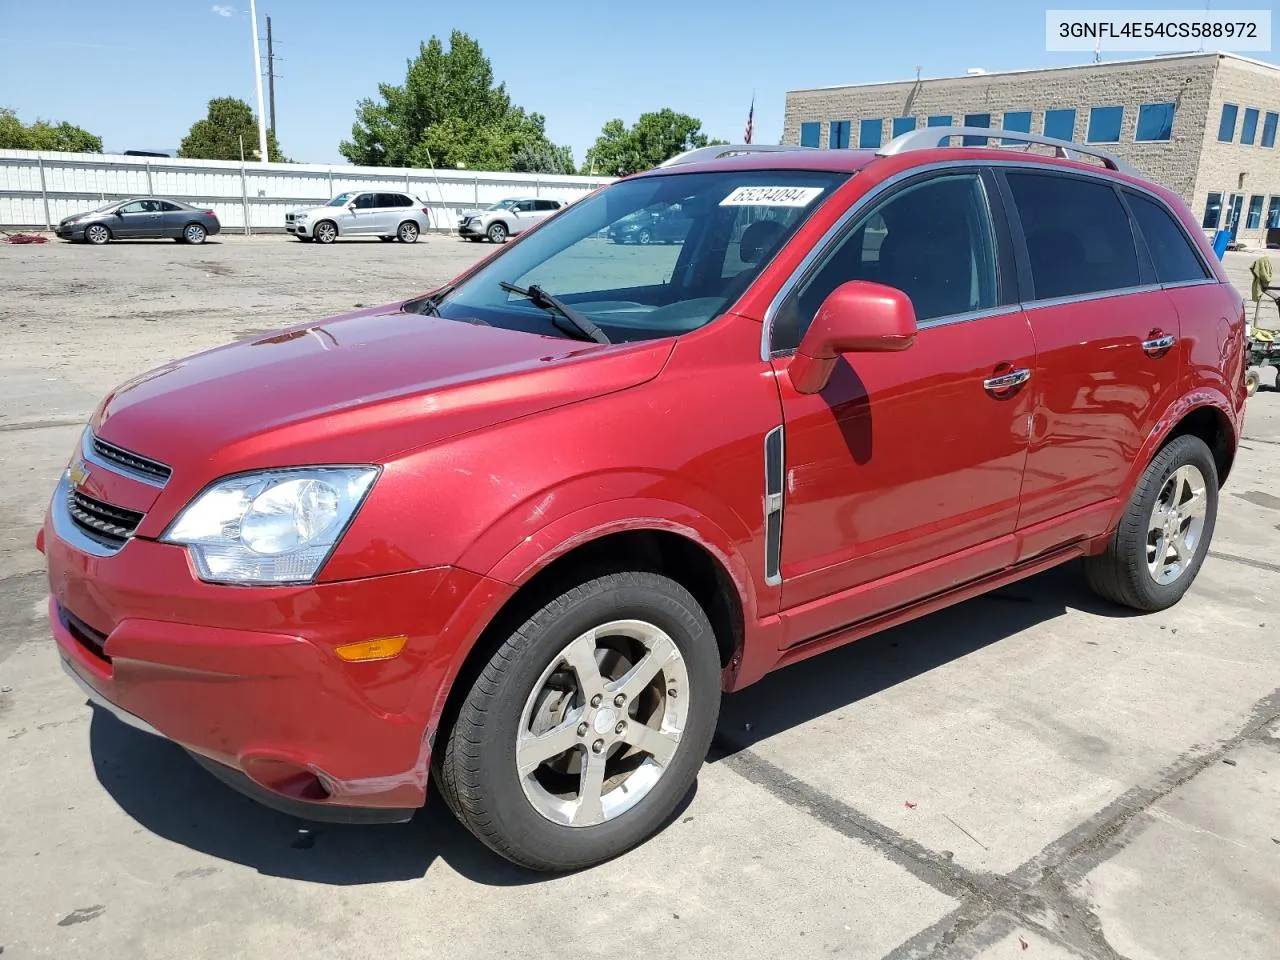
(1030, 774)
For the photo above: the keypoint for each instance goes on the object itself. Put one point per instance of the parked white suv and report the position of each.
(506, 218)
(385, 215)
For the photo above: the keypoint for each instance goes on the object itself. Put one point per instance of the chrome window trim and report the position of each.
(1095, 295)
(65, 528)
(1207, 281)
(832, 232)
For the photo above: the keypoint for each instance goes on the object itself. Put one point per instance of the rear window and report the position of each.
(1174, 258)
(1078, 236)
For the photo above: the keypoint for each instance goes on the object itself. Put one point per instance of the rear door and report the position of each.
(902, 477)
(387, 208)
(1106, 334)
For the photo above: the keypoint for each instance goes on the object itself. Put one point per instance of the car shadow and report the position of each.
(166, 792)
(842, 677)
(158, 784)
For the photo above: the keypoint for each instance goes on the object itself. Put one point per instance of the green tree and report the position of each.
(217, 136)
(656, 137)
(450, 113)
(15, 135)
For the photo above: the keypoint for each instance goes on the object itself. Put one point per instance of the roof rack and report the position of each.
(725, 150)
(927, 138)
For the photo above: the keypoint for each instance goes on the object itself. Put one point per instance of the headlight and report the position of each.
(302, 216)
(275, 526)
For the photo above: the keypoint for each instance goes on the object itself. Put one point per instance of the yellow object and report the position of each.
(383, 648)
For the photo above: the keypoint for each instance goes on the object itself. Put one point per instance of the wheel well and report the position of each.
(497, 223)
(332, 223)
(652, 551)
(1210, 425)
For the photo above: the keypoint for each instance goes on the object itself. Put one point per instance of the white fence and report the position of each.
(37, 189)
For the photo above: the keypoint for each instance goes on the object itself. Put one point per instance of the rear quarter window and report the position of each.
(1175, 259)
(1077, 232)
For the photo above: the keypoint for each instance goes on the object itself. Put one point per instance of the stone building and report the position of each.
(1203, 124)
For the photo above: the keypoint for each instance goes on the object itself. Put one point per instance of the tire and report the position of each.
(386, 239)
(97, 234)
(497, 233)
(528, 682)
(1126, 573)
(407, 232)
(644, 236)
(194, 233)
(326, 231)
(1252, 379)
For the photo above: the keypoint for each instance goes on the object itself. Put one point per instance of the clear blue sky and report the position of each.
(139, 72)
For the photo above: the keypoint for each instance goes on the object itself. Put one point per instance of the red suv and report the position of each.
(521, 532)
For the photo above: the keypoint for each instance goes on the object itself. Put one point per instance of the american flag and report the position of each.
(746, 134)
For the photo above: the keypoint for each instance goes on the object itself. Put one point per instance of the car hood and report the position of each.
(360, 388)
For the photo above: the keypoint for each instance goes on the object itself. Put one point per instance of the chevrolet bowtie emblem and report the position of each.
(79, 473)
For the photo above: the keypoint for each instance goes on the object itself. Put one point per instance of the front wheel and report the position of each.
(326, 231)
(97, 234)
(1157, 549)
(587, 726)
(497, 233)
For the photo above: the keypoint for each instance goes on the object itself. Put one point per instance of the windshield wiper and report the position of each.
(430, 304)
(540, 298)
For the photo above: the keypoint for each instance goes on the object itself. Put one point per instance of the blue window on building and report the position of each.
(1227, 125)
(1212, 212)
(1155, 122)
(839, 138)
(1017, 120)
(1254, 219)
(1269, 129)
(976, 120)
(1104, 124)
(1273, 213)
(870, 134)
(810, 134)
(1060, 124)
(941, 120)
(1249, 129)
(903, 125)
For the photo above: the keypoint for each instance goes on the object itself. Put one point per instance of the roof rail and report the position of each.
(725, 150)
(926, 138)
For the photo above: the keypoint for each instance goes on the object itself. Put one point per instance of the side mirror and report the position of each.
(857, 317)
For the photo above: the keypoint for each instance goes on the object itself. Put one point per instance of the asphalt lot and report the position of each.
(1031, 774)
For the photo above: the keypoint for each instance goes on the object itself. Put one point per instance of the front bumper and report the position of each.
(299, 228)
(71, 231)
(246, 678)
(475, 228)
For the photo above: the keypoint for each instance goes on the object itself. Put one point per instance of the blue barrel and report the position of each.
(1220, 241)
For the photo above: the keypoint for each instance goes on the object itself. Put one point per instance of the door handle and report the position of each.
(1159, 344)
(1006, 381)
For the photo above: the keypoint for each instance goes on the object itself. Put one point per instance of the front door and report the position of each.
(362, 216)
(137, 219)
(902, 476)
(1234, 206)
(1107, 364)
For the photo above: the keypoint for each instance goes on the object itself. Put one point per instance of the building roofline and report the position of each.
(1071, 66)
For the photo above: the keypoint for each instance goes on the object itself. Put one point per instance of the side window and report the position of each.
(524, 206)
(547, 206)
(165, 207)
(1174, 257)
(932, 240)
(400, 200)
(366, 201)
(1077, 232)
(138, 206)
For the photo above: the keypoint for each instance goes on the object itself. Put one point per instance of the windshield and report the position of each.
(503, 205)
(707, 236)
(341, 200)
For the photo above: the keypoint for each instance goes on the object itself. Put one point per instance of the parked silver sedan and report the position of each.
(141, 218)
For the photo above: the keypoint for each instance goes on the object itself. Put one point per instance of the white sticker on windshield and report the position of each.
(771, 197)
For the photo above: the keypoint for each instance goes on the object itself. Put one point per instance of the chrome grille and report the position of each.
(131, 461)
(105, 523)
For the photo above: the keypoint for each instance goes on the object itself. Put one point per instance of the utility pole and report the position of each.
(271, 78)
(263, 156)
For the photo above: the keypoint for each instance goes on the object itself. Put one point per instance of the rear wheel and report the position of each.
(194, 233)
(1157, 549)
(97, 233)
(1252, 379)
(326, 231)
(587, 726)
(408, 232)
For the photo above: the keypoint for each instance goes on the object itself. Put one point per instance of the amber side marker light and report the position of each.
(383, 648)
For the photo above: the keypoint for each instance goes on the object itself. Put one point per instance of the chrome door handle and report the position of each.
(1007, 380)
(1158, 344)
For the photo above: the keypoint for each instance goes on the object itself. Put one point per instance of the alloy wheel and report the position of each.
(1176, 525)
